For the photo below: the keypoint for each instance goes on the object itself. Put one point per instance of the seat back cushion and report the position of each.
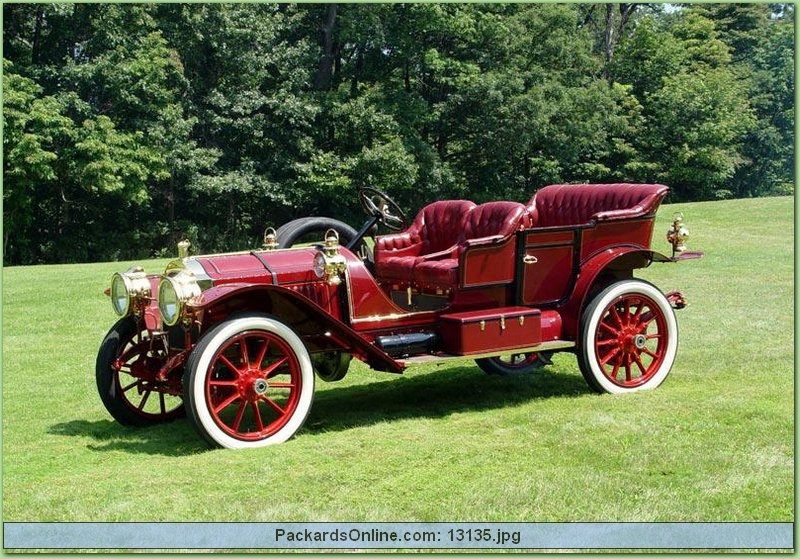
(439, 225)
(495, 218)
(577, 204)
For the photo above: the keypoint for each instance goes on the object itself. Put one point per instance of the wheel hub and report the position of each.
(260, 386)
(252, 385)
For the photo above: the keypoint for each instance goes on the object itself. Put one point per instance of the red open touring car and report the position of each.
(236, 340)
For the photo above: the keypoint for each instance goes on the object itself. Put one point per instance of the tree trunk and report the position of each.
(322, 80)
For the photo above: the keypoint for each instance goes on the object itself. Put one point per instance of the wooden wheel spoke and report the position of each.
(650, 352)
(610, 355)
(261, 354)
(226, 402)
(272, 404)
(646, 319)
(615, 314)
(230, 366)
(239, 415)
(217, 382)
(610, 329)
(144, 399)
(642, 368)
(282, 385)
(131, 385)
(615, 370)
(273, 368)
(257, 415)
(243, 352)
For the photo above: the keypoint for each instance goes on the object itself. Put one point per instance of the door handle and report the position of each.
(530, 259)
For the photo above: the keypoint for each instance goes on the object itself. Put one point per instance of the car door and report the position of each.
(547, 265)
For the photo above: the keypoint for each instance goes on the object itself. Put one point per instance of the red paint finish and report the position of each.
(635, 232)
(490, 262)
(631, 340)
(475, 332)
(284, 266)
(548, 266)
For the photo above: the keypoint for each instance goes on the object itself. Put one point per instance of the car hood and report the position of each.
(277, 267)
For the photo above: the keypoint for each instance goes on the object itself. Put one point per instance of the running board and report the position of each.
(441, 357)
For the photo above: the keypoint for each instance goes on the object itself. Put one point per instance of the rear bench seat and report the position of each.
(564, 205)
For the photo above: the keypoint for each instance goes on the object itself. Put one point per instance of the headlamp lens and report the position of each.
(168, 302)
(120, 297)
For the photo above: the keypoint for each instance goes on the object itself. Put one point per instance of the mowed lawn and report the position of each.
(446, 443)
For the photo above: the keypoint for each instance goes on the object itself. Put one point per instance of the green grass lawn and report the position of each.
(446, 443)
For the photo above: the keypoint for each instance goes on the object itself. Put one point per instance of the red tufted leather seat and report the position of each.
(436, 228)
(428, 252)
(579, 204)
(493, 219)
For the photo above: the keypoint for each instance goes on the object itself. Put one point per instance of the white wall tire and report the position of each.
(249, 383)
(628, 338)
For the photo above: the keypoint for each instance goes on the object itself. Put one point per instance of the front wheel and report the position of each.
(125, 373)
(628, 338)
(249, 383)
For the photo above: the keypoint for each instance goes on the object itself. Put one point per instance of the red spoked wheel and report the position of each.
(125, 372)
(629, 338)
(515, 364)
(249, 383)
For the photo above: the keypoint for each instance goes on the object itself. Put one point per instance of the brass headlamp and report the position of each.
(127, 288)
(329, 262)
(677, 234)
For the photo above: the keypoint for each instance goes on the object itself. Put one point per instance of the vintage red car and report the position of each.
(236, 340)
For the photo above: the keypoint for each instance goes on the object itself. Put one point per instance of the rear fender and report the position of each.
(597, 272)
(317, 328)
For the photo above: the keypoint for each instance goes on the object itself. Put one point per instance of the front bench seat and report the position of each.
(485, 223)
(435, 230)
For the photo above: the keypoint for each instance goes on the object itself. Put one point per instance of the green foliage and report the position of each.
(129, 126)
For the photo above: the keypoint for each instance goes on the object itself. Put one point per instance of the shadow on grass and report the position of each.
(176, 438)
(434, 394)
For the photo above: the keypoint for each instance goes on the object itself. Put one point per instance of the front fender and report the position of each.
(314, 324)
(614, 263)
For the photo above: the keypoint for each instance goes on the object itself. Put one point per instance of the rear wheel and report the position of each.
(516, 364)
(331, 366)
(127, 363)
(628, 338)
(249, 383)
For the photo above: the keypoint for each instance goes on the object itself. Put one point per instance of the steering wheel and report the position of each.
(377, 204)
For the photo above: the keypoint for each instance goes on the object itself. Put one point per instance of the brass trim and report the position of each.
(376, 318)
(483, 325)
